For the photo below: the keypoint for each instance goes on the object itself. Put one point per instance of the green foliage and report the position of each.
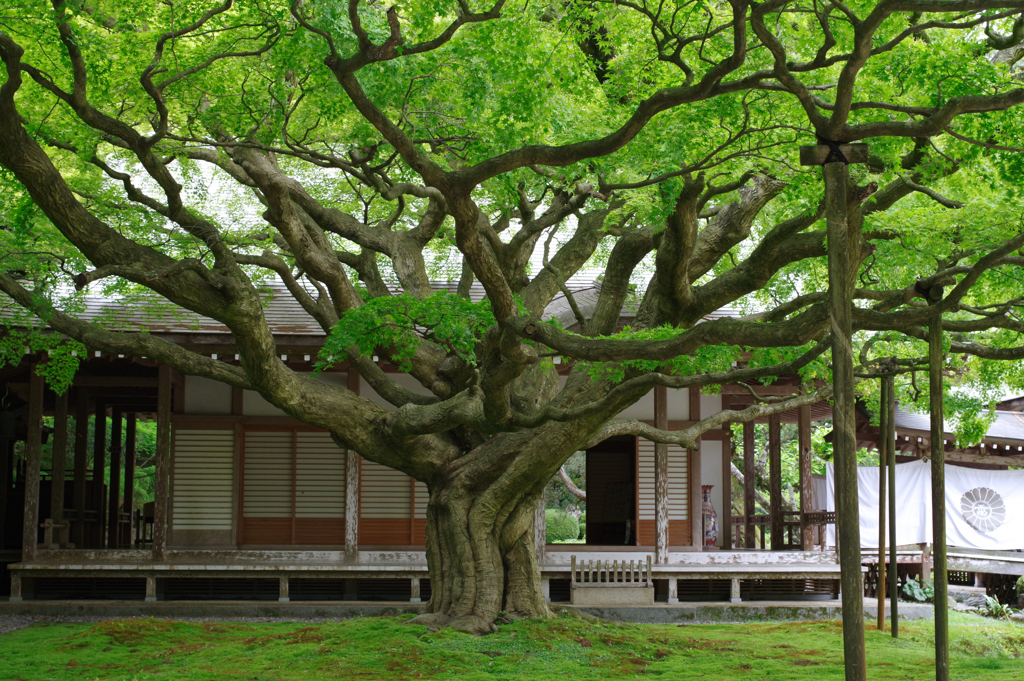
(993, 608)
(1019, 586)
(921, 592)
(63, 355)
(399, 322)
(561, 526)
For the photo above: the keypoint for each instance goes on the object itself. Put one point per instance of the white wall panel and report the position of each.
(678, 494)
(319, 477)
(267, 478)
(206, 396)
(203, 463)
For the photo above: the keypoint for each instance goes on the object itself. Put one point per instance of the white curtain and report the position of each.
(984, 509)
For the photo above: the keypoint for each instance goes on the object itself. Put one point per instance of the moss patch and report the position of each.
(562, 648)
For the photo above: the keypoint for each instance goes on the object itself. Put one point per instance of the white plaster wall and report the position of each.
(711, 474)
(678, 407)
(710, 405)
(404, 380)
(206, 396)
(253, 404)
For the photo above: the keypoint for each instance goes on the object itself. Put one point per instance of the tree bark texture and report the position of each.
(844, 445)
(661, 478)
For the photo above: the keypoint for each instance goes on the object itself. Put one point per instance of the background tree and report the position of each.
(353, 150)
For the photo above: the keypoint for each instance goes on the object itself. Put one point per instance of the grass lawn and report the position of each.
(563, 648)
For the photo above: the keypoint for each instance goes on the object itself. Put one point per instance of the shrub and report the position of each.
(1020, 585)
(560, 526)
(919, 591)
(583, 528)
(994, 608)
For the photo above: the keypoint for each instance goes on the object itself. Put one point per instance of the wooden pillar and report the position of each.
(33, 462)
(806, 454)
(114, 498)
(283, 595)
(775, 483)
(6, 454)
(696, 504)
(890, 437)
(661, 529)
(749, 476)
(78, 529)
(883, 457)
(352, 488)
(414, 590)
(58, 470)
(938, 454)
(129, 478)
(99, 465)
(726, 513)
(840, 277)
(162, 475)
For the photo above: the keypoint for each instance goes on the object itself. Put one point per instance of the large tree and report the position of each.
(194, 150)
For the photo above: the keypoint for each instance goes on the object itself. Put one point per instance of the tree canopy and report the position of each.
(357, 152)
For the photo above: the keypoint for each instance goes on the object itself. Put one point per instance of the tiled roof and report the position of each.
(1008, 426)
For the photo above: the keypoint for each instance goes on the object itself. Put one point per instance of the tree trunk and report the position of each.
(480, 556)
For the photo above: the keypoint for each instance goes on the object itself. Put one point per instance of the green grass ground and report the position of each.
(563, 648)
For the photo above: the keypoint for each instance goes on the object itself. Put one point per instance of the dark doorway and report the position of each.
(611, 492)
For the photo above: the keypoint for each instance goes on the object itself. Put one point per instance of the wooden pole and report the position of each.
(58, 468)
(749, 458)
(352, 493)
(890, 436)
(99, 466)
(661, 478)
(726, 514)
(775, 482)
(81, 465)
(840, 279)
(883, 457)
(129, 478)
(33, 462)
(114, 498)
(162, 474)
(938, 452)
(696, 502)
(803, 415)
(6, 453)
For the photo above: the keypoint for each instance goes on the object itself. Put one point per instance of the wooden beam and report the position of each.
(33, 462)
(81, 465)
(237, 402)
(938, 454)
(749, 459)
(115, 382)
(99, 466)
(883, 456)
(58, 470)
(725, 515)
(806, 454)
(696, 498)
(890, 437)
(162, 475)
(129, 477)
(840, 278)
(352, 489)
(114, 496)
(775, 483)
(817, 154)
(661, 533)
